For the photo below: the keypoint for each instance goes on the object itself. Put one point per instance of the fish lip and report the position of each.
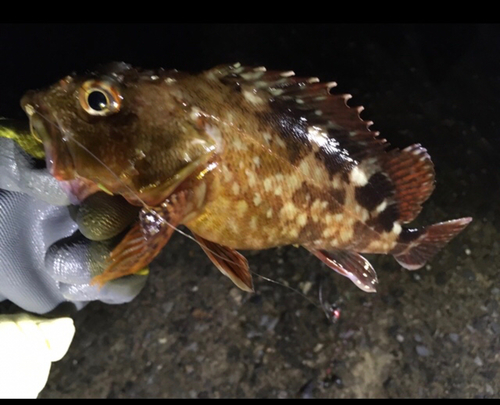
(44, 128)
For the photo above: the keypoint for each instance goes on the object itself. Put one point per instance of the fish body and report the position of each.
(246, 159)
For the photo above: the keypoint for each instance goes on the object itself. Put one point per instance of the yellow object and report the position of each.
(21, 134)
(101, 186)
(28, 346)
(143, 272)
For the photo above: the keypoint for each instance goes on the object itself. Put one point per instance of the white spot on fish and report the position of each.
(252, 180)
(253, 223)
(288, 73)
(338, 217)
(381, 206)
(346, 234)
(238, 145)
(250, 76)
(241, 207)
(336, 182)
(276, 92)
(257, 199)
(289, 211)
(364, 215)
(256, 161)
(358, 177)
(269, 213)
(253, 98)
(267, 184)
(280, 142)
(327, 233)
(396, 228)
(195, 113)
(216, 135)
(236, 188)
(228, 176)
(302, 219)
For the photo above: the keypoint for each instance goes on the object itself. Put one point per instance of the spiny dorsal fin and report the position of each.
(311, 100)
(401, 179)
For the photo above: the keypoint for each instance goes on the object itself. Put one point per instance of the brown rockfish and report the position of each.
(243, 157)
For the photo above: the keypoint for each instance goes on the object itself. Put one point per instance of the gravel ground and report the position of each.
(191, 333)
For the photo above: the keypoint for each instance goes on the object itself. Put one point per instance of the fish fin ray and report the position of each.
(126, 258)
(412, 173)
(229, 262)
(144, 240)
(433, 238)
(351, 265)
(305, 94)
(302, 98)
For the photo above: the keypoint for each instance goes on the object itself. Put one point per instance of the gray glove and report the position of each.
(45, 259)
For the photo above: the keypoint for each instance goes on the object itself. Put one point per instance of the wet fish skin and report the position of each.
(244, 157)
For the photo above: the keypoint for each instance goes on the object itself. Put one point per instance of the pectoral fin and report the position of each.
(145, 240)
(230, 263)
(351, 265)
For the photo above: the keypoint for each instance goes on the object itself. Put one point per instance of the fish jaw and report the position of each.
(79, 189)
(44, 128)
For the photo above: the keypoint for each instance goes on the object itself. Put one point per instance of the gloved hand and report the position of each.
(45, 259)
(28, 346)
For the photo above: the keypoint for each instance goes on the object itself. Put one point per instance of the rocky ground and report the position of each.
(190, 333)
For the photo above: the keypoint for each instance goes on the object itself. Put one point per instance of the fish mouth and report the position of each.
(45, 129)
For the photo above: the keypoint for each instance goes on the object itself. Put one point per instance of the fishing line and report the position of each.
(145, 206)
(286, 286)
(245, 135)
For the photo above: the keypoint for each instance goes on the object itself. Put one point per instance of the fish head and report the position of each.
(120, 128)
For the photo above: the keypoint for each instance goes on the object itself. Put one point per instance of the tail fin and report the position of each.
(429, 241)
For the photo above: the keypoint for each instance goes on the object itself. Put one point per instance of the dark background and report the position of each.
(190, 333)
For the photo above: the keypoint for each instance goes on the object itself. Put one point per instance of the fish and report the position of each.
(246, 159)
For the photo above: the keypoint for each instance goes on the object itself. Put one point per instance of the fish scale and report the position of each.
(244, 157)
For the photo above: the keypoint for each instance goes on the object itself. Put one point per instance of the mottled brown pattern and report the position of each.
(299, 197)
(311, 231)
(270, 159)
(384, 221)
(338, 195)
(362, 237)
(286, 122)
(378, 188)
(305, 196)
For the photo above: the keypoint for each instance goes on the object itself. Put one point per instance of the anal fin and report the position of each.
(351, 265)
(230, 263)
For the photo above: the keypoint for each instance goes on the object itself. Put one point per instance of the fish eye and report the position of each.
(99, 98)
